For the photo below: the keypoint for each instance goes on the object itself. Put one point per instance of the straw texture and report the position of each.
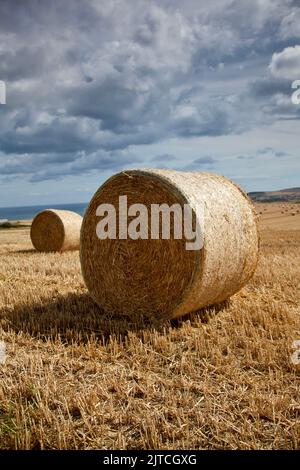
(160, 277)
(56, 230)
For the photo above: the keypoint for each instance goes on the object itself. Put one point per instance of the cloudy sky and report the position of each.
(97, 86)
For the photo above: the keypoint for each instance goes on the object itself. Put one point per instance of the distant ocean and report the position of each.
(28, 212)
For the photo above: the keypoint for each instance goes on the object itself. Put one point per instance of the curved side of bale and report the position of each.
(160, 277)
(231, 240)
(56, 230)
(72, 225)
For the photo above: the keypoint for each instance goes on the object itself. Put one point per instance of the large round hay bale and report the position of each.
(160, 277)
(56, 230)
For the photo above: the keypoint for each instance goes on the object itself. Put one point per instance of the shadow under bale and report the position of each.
(25, 251)
(76, 318)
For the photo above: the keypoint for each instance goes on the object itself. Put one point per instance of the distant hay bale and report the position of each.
(56, 230)
(159, 277)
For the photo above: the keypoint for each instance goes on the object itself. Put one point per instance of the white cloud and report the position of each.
(286, 64)
(290, 25)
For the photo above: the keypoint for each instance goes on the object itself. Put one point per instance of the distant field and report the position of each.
(219, 379)
(279, 216)
(291, 195)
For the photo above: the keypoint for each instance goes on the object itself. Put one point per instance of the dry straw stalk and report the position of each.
(56, 230)
(160, 277)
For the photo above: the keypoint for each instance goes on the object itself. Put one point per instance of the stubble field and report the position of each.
(222, 378)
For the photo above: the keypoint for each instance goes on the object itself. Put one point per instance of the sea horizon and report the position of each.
(29, 212)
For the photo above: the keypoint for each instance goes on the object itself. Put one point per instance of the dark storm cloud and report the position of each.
(60, 137)
(41, 167)
(87, 80)
(281, 154)
(23, 63)
(267, 87)
(272, 152)
(204, 161)
(166, 157)
(201, 163)
(265, 150)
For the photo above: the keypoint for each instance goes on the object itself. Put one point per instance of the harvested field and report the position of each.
(219, 379)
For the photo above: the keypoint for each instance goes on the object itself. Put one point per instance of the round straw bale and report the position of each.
(56, 230)
(160, 277)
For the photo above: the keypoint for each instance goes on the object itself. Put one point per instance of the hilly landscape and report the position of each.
(283, 195)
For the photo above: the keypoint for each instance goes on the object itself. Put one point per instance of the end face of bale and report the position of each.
(56, 230)
(143, 276)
